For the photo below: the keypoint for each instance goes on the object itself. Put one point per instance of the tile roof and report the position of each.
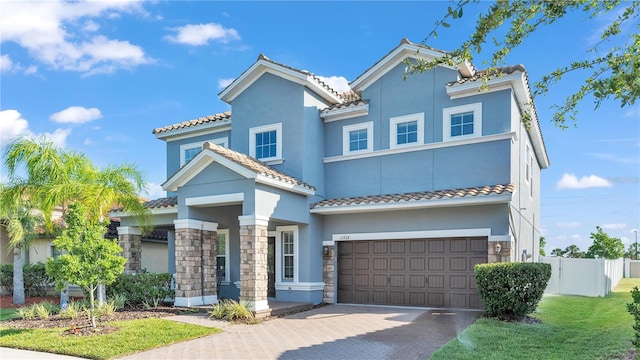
(165, 202)
(199, 121)
(254, 165)
(502, 70)
(416, 196)
(156, 234)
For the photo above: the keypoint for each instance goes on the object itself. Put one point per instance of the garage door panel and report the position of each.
(412, 272)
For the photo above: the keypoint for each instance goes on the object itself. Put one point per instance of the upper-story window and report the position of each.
(406, 130)
(357, 138)
(189, 151)
(461, 122)
(265, 143)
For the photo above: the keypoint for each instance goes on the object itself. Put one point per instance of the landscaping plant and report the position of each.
(231, 310)
(141, 290)
(634, 309)
(88, 259)
(511, 291)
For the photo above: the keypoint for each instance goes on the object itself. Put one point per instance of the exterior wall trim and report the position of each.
(195, 224)
(300, 286)
(344, 113)
(247, 220)
(430, 146)
(406, 205)
(218, 200)
(129, 230)
(188, 132)
(412, 234)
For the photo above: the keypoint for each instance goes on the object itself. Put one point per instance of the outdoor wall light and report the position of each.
(498, 248)
(325, 250)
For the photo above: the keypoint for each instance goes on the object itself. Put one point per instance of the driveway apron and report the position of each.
(328, 332)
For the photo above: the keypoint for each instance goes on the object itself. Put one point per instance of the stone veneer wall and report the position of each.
(209, 262)
(328, 275)
(131, 245)
(253, 264)
(506, 252)
(195, 262)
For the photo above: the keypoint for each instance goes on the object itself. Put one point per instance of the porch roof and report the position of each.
(471, 195)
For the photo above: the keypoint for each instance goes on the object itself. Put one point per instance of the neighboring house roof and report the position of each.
(473, 195)
(243, 164)
(265, 65)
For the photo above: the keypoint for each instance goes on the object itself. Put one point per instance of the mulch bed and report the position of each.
(82, 325)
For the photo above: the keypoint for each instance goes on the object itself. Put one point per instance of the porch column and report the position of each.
(253, 261)
(195, 262)
(130, 240)
(171, 251)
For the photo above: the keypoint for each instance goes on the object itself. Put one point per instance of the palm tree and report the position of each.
(22, 222)
(58, 177)
(557, 252)
(573, 251)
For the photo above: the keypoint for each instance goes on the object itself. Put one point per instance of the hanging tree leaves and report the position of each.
(611, 67)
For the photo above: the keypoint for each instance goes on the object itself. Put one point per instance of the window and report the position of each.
(527, 160)
(222, 264)
(189, 151)
(265, 143)
(287, 254)
(406, 130)
(55, 253)
(357, 138)
(461, 122)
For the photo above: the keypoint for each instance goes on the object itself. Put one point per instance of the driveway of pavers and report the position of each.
(329, 332)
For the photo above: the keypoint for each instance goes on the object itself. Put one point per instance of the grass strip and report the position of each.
(572, 327)
(133, 336)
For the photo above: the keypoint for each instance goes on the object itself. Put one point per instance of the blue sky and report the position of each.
(99, 77)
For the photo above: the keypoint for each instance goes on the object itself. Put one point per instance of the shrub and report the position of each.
(36, 280)
(511, 291)
(41, 310)
(119, 301)
(231, 310)
(634, 309)
(106, 309)
(142, 288)
(72, 311)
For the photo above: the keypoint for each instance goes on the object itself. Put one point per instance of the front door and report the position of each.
(271, 267)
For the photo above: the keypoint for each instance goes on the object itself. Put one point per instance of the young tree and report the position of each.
(632, 252)
(609, 68)
(543, 243)
(88, 259)
(21, 222)
(604, 246)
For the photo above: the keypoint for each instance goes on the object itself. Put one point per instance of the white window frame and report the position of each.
(273, 160)
(476, 108)
(223, 141)
(346, 131)
(527, 164)
(280, 255)
(393, 129)
(227, 275)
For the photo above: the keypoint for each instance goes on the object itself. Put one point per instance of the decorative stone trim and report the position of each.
(328, 275)
(130, 240)
(253, 264)
(504, 255)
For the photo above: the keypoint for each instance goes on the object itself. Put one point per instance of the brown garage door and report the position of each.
(413, 272)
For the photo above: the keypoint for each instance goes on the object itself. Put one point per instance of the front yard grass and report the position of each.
(572, 327)
(133, 336)
(7, 314)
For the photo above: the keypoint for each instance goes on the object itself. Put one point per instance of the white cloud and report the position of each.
(615, 158)
(54, 33)
(576, 236)
(154, 191)
(76, 115)
(625, 240)
(13, 125)
(570, 181)
(200, 34)
(5, 63)
(223, 83)
(617, 226)
(568, 225)
(337, 83)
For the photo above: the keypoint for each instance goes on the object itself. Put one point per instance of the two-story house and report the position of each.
(387, 194)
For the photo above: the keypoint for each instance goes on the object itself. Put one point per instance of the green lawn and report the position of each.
(7, 314)
(572, 327)
(133, 336)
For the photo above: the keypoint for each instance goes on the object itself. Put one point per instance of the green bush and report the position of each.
(634, 309)
(511, 291)
(142, 289)
(36, 280)
(40, 310)
(231, 310)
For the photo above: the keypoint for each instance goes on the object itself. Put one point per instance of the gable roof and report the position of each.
(515, 77)
(199, 124)
(240, 163)
(265, 65)
(404, 201)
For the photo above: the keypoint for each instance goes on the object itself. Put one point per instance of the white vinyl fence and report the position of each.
(586, 277)
(631, 268)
